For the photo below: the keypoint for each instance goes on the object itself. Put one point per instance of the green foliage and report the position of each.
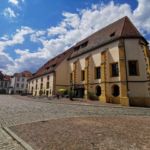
(71, 93)
(92, 96)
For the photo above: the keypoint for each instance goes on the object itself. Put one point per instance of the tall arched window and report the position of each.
(115, 90)
(98, 90)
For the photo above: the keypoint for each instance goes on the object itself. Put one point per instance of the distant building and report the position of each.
(19, 82)
(4, 83)
(112, 64)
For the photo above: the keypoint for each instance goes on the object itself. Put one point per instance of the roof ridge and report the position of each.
(102, 29)
(123, 25)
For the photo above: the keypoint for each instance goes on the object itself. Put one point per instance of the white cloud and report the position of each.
(141, 15)
(8, 12)
(17, 38)
(15, 2)
(73, 28)
(37, 36)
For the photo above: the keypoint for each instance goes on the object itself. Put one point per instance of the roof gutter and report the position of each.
(105, 43)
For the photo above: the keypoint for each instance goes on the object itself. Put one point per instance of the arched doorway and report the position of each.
(115, 90)
(98, 90)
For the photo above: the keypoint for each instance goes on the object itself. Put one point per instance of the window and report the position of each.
(97, 72)
(41, 79)
(36, 86)
(112, 34)
(98, 90)
(22, 86)
(47, 77)
(82, 75)
(76, 48)
(47, 68)
(47, 85)
(47, 93)
(115, 90)
(22, 79)
(133, 68)
(18, 79)
(18, 85)
(41, 86)
(32, 90)
(71, 77)
(5, 84)
(114, 70)
(84, 44)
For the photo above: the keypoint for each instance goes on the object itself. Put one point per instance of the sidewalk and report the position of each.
(7, 143)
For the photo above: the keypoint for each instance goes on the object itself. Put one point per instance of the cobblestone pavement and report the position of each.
(7, 143)
(14, 111)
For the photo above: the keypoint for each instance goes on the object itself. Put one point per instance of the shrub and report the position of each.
(2, 91)
(92, 96)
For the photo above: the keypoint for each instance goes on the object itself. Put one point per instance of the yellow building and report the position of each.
(51, 77)
(112, 64)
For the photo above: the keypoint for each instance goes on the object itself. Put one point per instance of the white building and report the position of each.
(19, 82)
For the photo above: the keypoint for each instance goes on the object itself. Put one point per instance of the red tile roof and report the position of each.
(4, 77)
(123, 28)
(52, 64)
(26, 74)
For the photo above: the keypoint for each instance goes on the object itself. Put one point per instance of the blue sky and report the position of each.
(31, 32)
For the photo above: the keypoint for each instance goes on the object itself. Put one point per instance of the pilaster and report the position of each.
(86, 85)
(124, 100)
(103, 97)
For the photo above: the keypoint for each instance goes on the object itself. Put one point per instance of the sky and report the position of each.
(34, 31)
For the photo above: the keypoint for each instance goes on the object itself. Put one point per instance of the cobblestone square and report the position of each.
(16, 111)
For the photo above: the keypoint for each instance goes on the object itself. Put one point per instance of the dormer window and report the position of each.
(112, 34)
(77, 48)
(47, 68)
(54, 65)
(84, 44)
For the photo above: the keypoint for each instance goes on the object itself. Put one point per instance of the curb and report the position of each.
(18, 139)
